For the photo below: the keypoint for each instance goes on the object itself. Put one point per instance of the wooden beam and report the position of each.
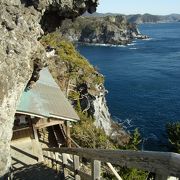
(114, 171)
(76, 167)
(40, 152)
(47, 124)
(68, 134)
(96, 169)
(65, 162)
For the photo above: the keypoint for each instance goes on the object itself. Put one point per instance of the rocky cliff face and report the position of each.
(83, 85)
(113, 30)
(103, 118)
(21, 25)
(102, 115)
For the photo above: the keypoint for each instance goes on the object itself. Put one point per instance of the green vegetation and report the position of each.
(78, 70)
(135, 141)
(133, 174)
(173, 131)
(66, 51)
(87, 135)
(78, 67)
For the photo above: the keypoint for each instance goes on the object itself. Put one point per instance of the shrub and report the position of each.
(87, 135)
(173, 131)
(79, 67)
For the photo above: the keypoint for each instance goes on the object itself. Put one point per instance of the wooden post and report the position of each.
(96, 169)
(76, 167)
(40, 153)
(68, 133)
(55, 156)
(65, 162)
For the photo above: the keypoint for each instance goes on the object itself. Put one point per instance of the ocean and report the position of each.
(143, 81)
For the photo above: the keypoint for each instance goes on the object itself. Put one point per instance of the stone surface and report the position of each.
(20, 29)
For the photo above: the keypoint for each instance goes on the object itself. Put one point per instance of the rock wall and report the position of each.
(103, 118)
(20, 29)
(102, 115)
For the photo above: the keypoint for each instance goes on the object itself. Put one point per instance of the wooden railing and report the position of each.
(75, 144)
(163, 164)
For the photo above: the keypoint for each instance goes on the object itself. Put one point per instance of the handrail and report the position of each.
(161, 163)
(108, 164)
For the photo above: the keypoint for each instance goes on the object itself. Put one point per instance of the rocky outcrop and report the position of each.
(20, 29)
(103, 118)
(113, 30)
(102, 115)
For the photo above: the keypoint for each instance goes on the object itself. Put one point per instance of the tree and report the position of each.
(173, 131)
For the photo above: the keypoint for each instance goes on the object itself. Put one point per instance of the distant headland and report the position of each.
(142, 18)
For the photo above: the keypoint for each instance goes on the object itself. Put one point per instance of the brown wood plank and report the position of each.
(47, 124)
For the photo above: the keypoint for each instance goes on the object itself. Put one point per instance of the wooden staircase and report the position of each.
(67, 163)
(59, 136)
(37, 172)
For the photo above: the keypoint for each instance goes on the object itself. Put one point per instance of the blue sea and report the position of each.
(143, 80)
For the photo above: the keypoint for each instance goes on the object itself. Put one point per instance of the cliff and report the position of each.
(113, 30)
(82, 84)
(22, 23)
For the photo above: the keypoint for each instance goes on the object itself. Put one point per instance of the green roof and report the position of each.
(46, 100)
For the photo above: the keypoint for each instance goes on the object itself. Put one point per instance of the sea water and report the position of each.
(143, 80)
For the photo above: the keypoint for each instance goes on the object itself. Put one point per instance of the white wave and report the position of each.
(127, 123)
(133, 48)
(104, 45)
(108, 45)
(132, 44)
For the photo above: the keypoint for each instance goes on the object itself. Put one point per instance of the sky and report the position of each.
(156, 7)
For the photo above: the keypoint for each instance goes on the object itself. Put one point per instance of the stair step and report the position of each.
(37, 172)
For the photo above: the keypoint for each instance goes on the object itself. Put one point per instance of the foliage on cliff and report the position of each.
(66, 51)
(173, 131)
(86, 134)
(68, 66)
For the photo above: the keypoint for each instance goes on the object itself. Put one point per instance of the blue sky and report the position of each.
(162, 7)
